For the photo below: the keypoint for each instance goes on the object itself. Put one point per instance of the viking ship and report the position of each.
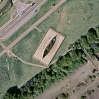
(49, 46)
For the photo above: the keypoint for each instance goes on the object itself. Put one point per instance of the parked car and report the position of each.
(22, 13)
(33, 4)
(36, 10)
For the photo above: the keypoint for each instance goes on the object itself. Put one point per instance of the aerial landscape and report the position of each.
(49, 49)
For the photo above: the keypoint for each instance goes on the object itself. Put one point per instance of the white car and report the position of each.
(21, 13)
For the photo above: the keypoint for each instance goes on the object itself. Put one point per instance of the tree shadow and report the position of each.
(14, 91)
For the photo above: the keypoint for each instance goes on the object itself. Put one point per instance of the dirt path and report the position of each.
(63, 19)
(37, 29)
(10, 53)
(67, 84)
(11, 17)
(27, 63)
(85, 89)
(32, 27)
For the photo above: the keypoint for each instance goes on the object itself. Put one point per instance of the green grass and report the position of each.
(47, 5)
(19, 73)
(82, 14)
(6, 12)
(5, 18)
(27, 46)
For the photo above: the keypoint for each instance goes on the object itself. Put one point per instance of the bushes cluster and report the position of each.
(63, 96)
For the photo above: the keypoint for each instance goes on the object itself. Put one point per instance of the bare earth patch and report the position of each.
(48, 37)
(63, 19)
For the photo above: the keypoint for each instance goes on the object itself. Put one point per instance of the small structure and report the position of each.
(48, 47)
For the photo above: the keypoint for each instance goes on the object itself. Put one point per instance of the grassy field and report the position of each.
(17, 74)
(79, 25)
(18, 70)
(82, 14)
(5, 11)
(5, 18)
(47, 5)
(27, 46)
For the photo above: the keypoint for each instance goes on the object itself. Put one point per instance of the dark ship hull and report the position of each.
(49, 46)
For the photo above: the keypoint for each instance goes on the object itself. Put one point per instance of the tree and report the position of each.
(68, 59)
(63, 96)
(83, 97)
(84, 42)
(90, 52)
(72, 46)
(89, 92)
(78, 44)
(92, 35)
(73, 55)
(97, 30)
(75, 45)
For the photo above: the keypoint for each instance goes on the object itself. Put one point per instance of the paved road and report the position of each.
(19, 20)
(32, 27)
